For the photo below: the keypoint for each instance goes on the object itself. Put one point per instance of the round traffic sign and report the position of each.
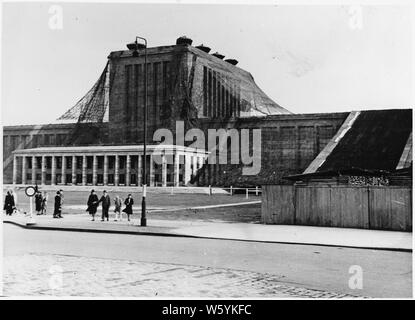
(30, 191)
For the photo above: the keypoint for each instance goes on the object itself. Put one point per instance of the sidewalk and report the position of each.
(306, 235)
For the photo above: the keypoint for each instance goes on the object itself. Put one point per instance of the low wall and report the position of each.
(383, 208)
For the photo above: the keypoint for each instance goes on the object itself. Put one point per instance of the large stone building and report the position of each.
(99, 140)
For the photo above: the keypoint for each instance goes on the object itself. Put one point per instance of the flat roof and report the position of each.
(159, 148)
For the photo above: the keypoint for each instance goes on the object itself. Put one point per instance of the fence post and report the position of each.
(210, 190)
(231, 190)
(256, 191)
(247, 196)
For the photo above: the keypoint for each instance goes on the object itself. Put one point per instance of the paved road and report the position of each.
(110, 264)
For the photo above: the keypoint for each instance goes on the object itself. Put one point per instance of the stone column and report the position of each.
(84, 170)
(53, 171)
(187, 171)
(63, 172)
(203, 178)
(163, 170)
(94, 170)
(152, 176)
(117, 170)
(194, 164)
(43, 170)
(24, 170)
(73, 170)
(139, 175)
(34, 170)
(176, 167)
(105, 170)
(128, 170)
(14, 169)
(201, 160)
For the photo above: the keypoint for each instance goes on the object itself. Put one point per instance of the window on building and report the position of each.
(48, 162)
(111, 162)
(205, 91)
(58, 162)
(52, 139)
(89, 162)
(5, 141)
(79, 162)
(14, 142)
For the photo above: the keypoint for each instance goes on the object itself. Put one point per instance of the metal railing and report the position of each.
(232, 190)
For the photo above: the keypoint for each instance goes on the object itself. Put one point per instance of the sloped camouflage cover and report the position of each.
(93, 107)
(184, 100)
(375, 141)
(254, 102)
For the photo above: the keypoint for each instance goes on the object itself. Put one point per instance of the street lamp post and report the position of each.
(134, 47)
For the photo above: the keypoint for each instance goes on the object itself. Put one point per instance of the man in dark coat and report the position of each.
(106, 203)
(128, 206)
(38, 202)
(9, 203)
(57, 212)
(92, 204)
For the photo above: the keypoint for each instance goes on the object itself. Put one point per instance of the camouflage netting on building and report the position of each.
(89, 113)
(199, 88)
(93, 107)
(239, 83)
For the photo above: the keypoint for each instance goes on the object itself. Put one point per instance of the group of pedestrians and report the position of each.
(41, 202)
(105, 200)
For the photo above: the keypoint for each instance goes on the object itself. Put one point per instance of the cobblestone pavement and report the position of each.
(61, 275)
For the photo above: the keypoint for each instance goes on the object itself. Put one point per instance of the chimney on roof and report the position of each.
(203, 48)
(183, 40)
(232, 61)
(218, 55)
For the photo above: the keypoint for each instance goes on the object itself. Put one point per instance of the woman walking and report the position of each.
(44, 202)
(117, 210)
(57, 213)
(92, 204)
(38, 202)
(13, 192)
(128, 206)
(9, 203)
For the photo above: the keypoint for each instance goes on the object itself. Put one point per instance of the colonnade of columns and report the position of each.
(78, 169)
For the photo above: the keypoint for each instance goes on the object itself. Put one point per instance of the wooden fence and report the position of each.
(383, 208)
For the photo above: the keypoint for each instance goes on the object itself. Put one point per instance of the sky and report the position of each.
(308, 59)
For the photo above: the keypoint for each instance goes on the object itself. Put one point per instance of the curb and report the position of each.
(139, 233)
(177, 235)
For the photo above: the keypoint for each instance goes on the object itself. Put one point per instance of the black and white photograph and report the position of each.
(205, 150)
